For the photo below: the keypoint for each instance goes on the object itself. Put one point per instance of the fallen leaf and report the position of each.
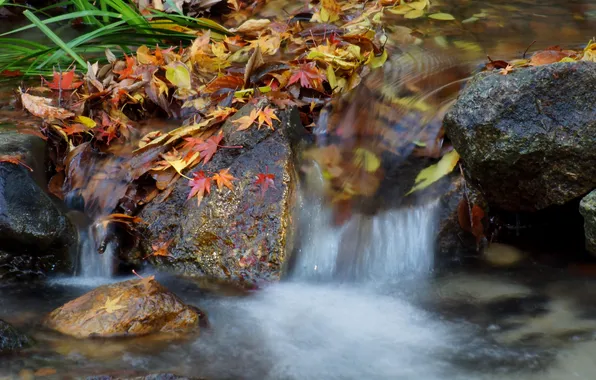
(128, 70)
(224, 178)
(308, 75)
(209, 147)
(264, 180)
(252, 25)
(506, 70)
(245, 122)
(41, 107)
(63, 81)
(199, 185)
(14, 160)
(111, 305)
(441, 16)
(265, 116)
(178, 74)
(435, 172)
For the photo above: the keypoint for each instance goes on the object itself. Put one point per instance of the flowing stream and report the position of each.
(361, 301)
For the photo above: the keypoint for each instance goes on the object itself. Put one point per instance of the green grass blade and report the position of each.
(65, 17)
(51, 35)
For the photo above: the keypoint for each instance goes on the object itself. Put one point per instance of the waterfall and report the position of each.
(386, 246)
(89, 262)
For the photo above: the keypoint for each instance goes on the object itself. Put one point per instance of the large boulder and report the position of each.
(129, 308)
(587, 207)
(12, 340)
(527, 138)
(239, 235)
(35, 234)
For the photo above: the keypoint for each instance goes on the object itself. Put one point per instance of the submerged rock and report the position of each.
(129, 308)
(35, 235)
(242, 234)
(587, 207)
(11, 340)
(527, 138)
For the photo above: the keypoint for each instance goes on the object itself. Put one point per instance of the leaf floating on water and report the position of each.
(415, 13)
(433, 173)
(442, 16)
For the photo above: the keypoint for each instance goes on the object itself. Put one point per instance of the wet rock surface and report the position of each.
(12, 340)
(527, 138)
(129, 308)
(239, 235)
(35, 234)
(587, 208)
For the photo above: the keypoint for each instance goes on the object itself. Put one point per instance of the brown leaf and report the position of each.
(254, 62)
(14, 160)
(41, 107)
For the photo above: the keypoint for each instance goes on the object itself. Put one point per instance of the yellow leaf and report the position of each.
(144, 56)
(442, 16)
(401, 9)
(178, 74)
(331, 77)
(419, 5)
(435, 172)
(112, 305)
(88, 122)
(366, 159)
(178, 165)
(415, 13)
(378, 61)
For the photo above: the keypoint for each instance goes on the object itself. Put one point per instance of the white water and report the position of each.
(383, 247)
(91, 264)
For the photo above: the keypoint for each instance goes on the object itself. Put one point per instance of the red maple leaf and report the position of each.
(192, 142)
(63, 81)
(309, 76)
(209, 147)
(128, 70)
(199, 184)
(75, 128)
(264, 180)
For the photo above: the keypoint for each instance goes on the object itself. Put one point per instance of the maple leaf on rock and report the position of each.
(192, 142)
(16, 160)
(209, 147)
(246, 121)
(63, 81)
(264, 180)
(199, 185)
(224, 178)
(266, 115)
(309, 76)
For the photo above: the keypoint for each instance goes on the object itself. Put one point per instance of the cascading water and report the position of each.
(392, 244)
(91, 263)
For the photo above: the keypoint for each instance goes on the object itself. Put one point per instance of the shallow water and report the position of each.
(455, 326)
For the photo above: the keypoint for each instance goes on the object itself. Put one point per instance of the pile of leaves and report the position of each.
(96, 119)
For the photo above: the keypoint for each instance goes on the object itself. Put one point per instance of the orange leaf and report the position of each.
(14, 160)
(266, 115)
(63, 81)
(224, 178)
(246, 121)
(128, 70)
